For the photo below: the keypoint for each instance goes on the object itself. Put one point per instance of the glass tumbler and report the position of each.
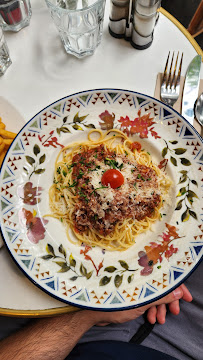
(80, 24)
(5, 60)
(15, 14)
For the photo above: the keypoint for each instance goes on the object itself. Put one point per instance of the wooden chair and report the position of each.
(195, 26)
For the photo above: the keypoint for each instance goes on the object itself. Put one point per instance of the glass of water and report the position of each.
(5, 60)
(80, 24)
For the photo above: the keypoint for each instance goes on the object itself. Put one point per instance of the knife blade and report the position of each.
(191, 88)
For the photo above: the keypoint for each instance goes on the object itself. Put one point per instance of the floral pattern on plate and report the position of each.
(91, 277)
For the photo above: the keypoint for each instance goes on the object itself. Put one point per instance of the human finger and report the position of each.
(174, 307)
(174, 295)
(186, 293)
(161, 313)
(151, 314)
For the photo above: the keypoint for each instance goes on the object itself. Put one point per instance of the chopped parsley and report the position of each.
(81, 173)
(113, 163)
(73, 184)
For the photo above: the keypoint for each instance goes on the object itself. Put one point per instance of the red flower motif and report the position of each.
(108, 120)
(29, 194)
(139, 125)
(145, 262)
(35, 225)
(154, 252)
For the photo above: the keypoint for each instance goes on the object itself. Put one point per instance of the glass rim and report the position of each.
(10, 2)
(49, 2)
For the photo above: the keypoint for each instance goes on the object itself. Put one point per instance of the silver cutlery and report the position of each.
(191, 88)
(199, 109)
(170, 85)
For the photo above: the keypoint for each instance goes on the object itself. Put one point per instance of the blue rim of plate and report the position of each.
(109, 309)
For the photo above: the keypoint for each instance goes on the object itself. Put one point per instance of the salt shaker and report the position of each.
(120, 18)
(144, 17)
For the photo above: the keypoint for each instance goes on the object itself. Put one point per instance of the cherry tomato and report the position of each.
(136, 145)
(112, 177)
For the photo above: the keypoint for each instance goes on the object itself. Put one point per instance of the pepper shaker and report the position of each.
(120, 24)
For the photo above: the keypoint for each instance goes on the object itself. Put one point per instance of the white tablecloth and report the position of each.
(42, 72)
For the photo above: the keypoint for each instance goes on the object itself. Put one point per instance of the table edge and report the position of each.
(183, 30)
(38, 313)
(69, 308)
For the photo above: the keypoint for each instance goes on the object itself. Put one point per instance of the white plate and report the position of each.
(170, 254)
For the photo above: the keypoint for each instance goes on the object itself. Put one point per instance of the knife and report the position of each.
(191, 88)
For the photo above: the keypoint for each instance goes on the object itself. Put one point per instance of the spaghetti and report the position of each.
(107, 190)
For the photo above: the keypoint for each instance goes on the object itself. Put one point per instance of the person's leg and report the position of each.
(113, 350)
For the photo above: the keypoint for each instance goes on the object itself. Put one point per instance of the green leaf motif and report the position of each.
(50, 249)
(65, 119)
(173, 160)
(110, 269)
(78, 118)
(30, 160)
(83, 270)
(180, 151)
(61, 263)
(192, 194)
(77, 127)
(179, 205)
(193, 214)
(124, 264)
(164, 152)
(73, 278)
(118, 280)
(194, 182)
(183, 179)
(72, 262)
(62, 250)
(90, 126)
(185, 162)
(42, 159)
(26, 170)
(174, 142)
(39, 171)
(64, 129)
(47, 257)
(65, 268)
(104, 281)
(89, 274)
(185, 216)
(36, 149)
(130, 278)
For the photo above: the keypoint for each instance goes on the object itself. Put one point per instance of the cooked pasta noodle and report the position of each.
(88, 208)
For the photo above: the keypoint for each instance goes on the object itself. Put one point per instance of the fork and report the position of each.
(170, 85)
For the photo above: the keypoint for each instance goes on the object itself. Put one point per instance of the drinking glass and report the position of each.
(80, 24)
(5, 60)
(15, 14)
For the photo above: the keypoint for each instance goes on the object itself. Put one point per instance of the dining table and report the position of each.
(41, 73)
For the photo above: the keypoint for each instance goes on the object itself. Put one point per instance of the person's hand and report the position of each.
(157, 309)
(158, 313)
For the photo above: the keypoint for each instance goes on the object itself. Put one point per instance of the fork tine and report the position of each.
(164, 79)
(169, 75)
(179, 71)
(174, 72)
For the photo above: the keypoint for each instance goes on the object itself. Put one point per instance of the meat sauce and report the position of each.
(135, 199)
